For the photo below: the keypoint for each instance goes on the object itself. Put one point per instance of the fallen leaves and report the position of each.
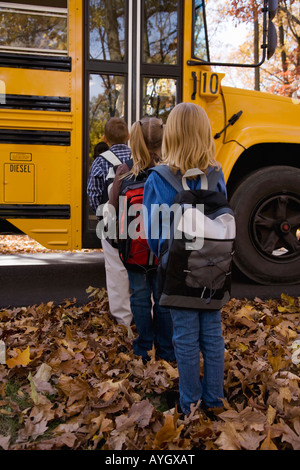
(18, 358)
(17, 244)
(71, 381)
(168, 433)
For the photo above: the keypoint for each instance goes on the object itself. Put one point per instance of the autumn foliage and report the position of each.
(280, 75)
(71, 381)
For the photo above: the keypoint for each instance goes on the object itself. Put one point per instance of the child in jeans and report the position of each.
(153, 322)
(188, 143)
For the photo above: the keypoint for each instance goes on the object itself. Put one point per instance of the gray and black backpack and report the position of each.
(195, 260)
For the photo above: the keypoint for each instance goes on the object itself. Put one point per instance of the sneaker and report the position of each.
(212, 412)
(172, 399)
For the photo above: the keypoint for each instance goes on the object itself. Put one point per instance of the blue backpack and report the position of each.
(195, 260)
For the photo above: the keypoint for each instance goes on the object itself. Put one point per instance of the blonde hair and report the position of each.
(188, 141)
(145, 138)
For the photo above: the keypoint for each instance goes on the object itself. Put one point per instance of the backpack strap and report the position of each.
(129, 163)
(209, 181)
(110, 157)
(213, 178)
(194, 172)
(167, 174)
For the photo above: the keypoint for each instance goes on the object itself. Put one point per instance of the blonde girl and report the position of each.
(145, 142)
(188, 141)
(187, 144)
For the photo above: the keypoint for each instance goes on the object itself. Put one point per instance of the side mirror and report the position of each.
(272, 39)
(273, 6)
(272, 34)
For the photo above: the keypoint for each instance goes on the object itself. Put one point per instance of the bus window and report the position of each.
(161, 57)
(159, 96)
(40, 27)
(200, 38)
(107, 30)
(160, 32)
(106, 99)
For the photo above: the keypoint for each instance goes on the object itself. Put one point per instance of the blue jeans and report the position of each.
(193, 332)
(154, 330)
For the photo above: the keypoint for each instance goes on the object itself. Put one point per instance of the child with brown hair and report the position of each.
(116, 135)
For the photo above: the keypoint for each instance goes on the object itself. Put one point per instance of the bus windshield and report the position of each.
(222, 39)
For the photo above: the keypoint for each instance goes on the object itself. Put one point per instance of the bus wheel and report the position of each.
(267, 210)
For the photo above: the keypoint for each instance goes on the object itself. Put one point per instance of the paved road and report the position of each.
(29, 279)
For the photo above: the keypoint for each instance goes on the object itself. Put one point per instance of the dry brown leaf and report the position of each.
(4, 442)
(20, 358)
(268, 444)
(250, 439)
(228, 439)
(292, 436)
(141, 413)
(167, 433)
(271, 413)
(76, 389)
(35, 426)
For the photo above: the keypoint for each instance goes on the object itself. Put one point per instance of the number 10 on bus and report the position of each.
(210, 83)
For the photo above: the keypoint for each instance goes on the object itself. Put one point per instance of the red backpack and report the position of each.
(133, 247)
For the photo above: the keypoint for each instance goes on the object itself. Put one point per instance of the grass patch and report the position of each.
(16, 401)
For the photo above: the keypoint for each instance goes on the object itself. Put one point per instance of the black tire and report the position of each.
(267, 210)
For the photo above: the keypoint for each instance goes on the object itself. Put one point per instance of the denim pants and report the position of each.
(153, 322)
(196, 331)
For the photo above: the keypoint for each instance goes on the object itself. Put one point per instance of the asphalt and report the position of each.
(29, 279)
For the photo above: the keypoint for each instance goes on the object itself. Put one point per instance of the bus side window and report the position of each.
(41, 28)
(199, 37)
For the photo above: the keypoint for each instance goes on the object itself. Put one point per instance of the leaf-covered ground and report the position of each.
(20, 244)
(71, 381)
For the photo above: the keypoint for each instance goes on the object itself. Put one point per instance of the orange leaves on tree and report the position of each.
(244, 10)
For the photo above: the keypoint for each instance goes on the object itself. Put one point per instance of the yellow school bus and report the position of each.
(67, 66)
